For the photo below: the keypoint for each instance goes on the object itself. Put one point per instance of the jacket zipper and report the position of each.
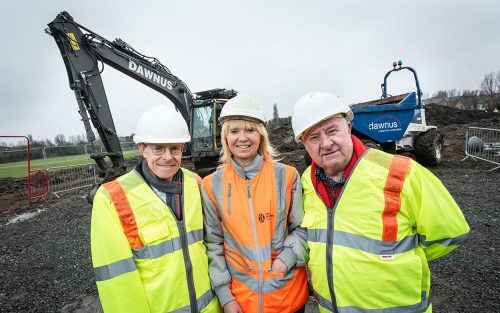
(329, 245)
(185, 250)
(188, 265)
(187, 259)
(329, 258)
(330, 231)
(256, 241)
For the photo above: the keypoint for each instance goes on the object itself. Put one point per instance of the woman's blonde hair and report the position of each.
(265, 149)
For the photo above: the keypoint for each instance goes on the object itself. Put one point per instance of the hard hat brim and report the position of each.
(224, 119)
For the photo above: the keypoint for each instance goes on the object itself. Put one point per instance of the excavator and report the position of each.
(85, 53)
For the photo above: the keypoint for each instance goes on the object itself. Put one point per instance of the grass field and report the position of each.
(20, 169)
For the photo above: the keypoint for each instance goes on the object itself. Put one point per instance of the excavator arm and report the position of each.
(85, 53)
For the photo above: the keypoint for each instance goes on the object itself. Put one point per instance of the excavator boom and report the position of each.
(85, 53)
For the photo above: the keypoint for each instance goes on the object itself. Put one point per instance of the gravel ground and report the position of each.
(45, 260)
(46, 266)
(468, 280)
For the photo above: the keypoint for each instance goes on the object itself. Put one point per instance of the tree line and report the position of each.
(487, 97)
(60, 146)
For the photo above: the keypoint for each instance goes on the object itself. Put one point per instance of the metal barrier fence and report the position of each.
(49, 181)
(60, 151)
(483, 144)
(39, 185)
(126, 146)
(66, 178)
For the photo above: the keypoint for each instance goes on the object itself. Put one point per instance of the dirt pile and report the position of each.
(281, 135)
(47, 265)
(282, 138)
(440, 116)
(453, 123)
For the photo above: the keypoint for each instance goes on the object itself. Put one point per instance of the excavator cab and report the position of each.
(205, 127)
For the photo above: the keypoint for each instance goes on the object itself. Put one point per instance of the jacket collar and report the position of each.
(251, 170)
(166, 186)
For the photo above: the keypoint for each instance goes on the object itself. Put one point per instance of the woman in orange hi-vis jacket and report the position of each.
(253, 211)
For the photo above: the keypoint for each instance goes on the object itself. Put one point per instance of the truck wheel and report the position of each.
(429, 148)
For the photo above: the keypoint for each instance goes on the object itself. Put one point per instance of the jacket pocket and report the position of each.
(308, 220)
(154, 232)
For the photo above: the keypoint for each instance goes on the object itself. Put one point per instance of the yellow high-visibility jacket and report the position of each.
(144, 259)
(370, 252)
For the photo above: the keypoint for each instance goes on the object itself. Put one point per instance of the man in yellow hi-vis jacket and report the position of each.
(373, 220)
(147, 228)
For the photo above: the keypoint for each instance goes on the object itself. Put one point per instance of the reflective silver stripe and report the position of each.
(231, 242)
(256, 242)
(369, 245)
(166, 247)
(249, 253)
(269, 285)
(234, 260)
(317, 235)
(322, 301)
(114, 269)
(417, 307)
(217, 189)
(444, 242)
(201, 302)
(280, 219)
(194, 236)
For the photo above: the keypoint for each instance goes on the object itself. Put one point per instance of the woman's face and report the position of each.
(243, 142)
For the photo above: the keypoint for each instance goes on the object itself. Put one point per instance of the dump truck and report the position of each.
(397, 124)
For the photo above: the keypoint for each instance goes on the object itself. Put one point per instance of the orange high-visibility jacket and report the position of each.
(252, 216)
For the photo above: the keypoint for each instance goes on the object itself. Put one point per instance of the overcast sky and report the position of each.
(273, 50)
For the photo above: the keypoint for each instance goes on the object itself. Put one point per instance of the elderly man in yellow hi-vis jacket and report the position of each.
(373, 220)
(147, 228)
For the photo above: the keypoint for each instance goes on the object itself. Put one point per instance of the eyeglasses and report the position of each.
(175, 149)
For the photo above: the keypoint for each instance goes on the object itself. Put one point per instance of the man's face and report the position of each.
(164, 160)
(329, 145)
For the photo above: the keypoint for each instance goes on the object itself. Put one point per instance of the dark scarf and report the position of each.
(172, 189)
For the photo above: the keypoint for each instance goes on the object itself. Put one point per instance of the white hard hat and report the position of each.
(161, 124)
(315, 107)
(242, 106)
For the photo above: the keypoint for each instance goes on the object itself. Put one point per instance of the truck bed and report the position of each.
(389, 100)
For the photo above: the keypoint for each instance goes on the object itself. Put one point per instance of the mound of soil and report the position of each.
(440, 115)
(46, 259)
(453, 124)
